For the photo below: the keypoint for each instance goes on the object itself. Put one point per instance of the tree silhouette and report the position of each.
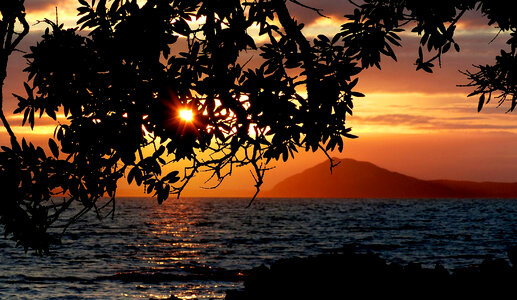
(122, 78)
(435, 22)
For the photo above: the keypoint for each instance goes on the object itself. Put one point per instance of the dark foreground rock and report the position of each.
(366, 276)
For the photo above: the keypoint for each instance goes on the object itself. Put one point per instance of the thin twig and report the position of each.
(332, 164)
(317, 10)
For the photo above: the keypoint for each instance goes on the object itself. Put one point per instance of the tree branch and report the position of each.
(293, 30)
(7, 48)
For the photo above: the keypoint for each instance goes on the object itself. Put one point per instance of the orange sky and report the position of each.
(412, 122)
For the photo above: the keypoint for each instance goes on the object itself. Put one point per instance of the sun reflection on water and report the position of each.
(174, 244)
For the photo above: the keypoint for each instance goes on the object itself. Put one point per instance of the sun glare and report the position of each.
(186, 115)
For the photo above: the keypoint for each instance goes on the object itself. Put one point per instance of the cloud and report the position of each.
(37, 5)
(468, 108)
(401, 76)
(433, 123)
(44, 121)
(448, 125)
(473, 19)
(24, 131)
(395, 119)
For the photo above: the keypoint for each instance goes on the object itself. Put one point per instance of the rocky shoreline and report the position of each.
(350, 275)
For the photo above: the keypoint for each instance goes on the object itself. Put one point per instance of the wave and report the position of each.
(158, 276)
(143, 276)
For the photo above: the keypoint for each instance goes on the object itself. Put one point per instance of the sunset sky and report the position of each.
(410, 121)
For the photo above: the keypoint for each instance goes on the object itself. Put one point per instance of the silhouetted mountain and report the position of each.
(357, 179)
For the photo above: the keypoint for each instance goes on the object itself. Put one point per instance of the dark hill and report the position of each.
(357, 179)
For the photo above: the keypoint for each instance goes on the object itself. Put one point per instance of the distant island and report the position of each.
(359, 179)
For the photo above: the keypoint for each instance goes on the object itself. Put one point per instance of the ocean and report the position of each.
(198, 248)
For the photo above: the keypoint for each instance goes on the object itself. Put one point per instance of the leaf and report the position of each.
(353, 83)
(172, 177)
(250, 42)
(159, 152)
(31, 118)
(53, 148)
(446, 47)
(84, 19)
(150, 188)
(114, 6)
(181, 26)
(138, 176)
(335, 38)
(427, 69)
(25, 116)
(481, 102)
(83, 10)
(28, 90)
(324, 38)
(285, 154)
(131, 175)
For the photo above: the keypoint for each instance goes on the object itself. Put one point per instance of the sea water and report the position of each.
(199, 248)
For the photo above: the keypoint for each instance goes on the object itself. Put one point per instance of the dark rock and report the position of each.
(512, 255)
(367, 276)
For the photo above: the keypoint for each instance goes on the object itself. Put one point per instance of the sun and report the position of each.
(186, 115)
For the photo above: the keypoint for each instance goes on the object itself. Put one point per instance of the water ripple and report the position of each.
(201, 247)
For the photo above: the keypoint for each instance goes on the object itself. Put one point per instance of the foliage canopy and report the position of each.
(123, 75)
